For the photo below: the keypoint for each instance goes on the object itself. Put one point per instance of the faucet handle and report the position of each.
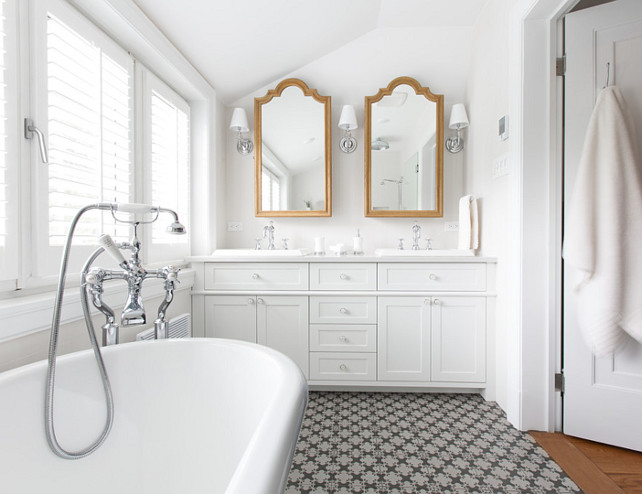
(400, 246)
(428, 243)
(285, 243)
(258, 243)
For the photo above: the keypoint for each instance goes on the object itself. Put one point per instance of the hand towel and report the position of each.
(468, 223)
(603, 229)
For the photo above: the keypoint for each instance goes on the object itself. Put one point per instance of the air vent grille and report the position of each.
(179, 327)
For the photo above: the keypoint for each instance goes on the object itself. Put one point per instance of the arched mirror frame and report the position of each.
(439, 151)
(258, 103)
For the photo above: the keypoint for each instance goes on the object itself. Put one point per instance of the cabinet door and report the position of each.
(282, 324)
(459, 339)
(404, 339)
(231, 316)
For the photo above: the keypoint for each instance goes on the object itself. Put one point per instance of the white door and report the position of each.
(458, 339)
(603, 396)
(230, 316)
(404, 339)
(282, 324)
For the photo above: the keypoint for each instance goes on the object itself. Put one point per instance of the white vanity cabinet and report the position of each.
(277, 321)
(360, 322)
(436, 339)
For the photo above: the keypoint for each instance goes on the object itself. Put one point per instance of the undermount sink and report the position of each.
(423, 253)
(260, 253)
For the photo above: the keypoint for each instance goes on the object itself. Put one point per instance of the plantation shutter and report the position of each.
(89, 122)
(85, 95)
(9, 200)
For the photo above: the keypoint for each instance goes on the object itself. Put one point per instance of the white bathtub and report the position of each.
(191, 416)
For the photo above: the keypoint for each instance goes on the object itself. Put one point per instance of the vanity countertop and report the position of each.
(345, 258)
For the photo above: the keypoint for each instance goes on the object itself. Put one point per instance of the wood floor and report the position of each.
(596, 468)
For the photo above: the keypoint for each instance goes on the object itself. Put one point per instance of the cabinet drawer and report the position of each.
(432, 276)
(343, 337)
(256, 276)
(326, 366)
(343, 276)
(343, 310)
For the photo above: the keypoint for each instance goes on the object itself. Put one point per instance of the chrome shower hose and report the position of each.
(53, 343)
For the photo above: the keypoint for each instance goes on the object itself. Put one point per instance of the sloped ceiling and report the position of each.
(240, 46)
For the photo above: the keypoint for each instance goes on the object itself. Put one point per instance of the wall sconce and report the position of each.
(239, 124)
(348, 122)
(458, 121)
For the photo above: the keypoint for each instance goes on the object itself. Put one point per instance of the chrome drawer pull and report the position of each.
(344, 276)
(260, 301)
(343, 310)
(250, 301)
(343, 339)
(343, 367)
(436, 301)
(255, 276)
(432, 277)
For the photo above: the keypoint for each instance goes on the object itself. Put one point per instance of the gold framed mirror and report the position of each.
(404, 151)
(293, 152)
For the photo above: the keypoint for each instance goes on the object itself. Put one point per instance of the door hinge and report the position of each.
(559, 382)
(560, 66)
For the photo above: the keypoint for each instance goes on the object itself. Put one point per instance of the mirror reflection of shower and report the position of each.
(399, 183)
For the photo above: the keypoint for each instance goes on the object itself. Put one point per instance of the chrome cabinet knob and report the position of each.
(343, 339)
(260, 301)
(343, 276)
(343, 367)
(436, 301)
(250, 301)
(255, 276)
(343, 310)
(432, 276)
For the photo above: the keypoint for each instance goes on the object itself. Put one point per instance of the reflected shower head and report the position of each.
(379, 144)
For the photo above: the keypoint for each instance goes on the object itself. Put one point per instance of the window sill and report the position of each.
(21, 316)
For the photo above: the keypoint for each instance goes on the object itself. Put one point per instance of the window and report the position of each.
(85, 105)
(168, 164)
(270, 191)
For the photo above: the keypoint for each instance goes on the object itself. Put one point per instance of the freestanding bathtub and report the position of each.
(191, 416)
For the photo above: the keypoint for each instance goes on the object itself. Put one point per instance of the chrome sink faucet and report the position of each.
(416, 236)
(268, 232)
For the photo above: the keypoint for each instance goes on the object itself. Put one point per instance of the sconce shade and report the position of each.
(239, 121)
(458, 117)
(348, 120)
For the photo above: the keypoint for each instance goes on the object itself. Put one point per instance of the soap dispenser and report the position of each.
(357, 244)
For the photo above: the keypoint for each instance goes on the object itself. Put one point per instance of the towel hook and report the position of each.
(608, 74)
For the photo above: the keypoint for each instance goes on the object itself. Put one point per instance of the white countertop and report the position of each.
(369, 257)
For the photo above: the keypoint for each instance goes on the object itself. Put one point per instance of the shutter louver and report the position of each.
(9, 166)
(3, 134)
(89, 127)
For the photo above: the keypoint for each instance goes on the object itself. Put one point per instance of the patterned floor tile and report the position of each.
(417, 443)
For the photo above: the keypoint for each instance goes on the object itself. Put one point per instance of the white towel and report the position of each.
(603, 237)
(468, 224)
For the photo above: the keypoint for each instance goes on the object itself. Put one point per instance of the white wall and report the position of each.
(73, 336)
(487, 100)
(347, 76)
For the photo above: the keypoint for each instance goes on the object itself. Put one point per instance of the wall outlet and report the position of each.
(451, 226)
(500, 167)
(234, 226)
